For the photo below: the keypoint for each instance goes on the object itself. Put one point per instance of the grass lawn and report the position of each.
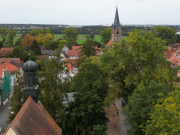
(81, 38)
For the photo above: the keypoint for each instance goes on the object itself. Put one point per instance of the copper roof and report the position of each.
(33, 119)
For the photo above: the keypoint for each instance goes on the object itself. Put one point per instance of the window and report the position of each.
(117, 32)
(75, 53)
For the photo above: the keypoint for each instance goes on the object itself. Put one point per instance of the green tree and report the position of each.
(105, 35)
(141, 103)
(3, 34)
(99, 130)
(1, 44)
(88, 48)
(10, 37)
(166, 33)
(52, 90)
(91, 35)
(35, 48)
(17, 96)
(80, 60)
(165, 119)
(36, 32)
(71, 35)
(26, 55)
(90, 78)
(142, 62)
(86, 111)
(16, 53)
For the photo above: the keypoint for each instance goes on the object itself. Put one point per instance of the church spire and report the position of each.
(116, 24)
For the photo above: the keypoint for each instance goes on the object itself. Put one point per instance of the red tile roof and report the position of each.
(5, 50)
(43, 56)
(7, 66)
(109, 43)
(76, 47)
(33, 119)
(3, 60)
(72, 61)
(73, 52)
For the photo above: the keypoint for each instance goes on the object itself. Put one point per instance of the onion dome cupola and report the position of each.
(30, 85)
(30, 66)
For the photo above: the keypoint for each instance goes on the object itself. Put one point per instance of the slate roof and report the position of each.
(17, 64)
(33, 119)
(116, 24)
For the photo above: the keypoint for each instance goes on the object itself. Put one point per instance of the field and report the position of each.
(81, 38)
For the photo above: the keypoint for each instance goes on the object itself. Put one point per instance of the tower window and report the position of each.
(117, 32)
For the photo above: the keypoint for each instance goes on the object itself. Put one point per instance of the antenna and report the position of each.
(29, 55)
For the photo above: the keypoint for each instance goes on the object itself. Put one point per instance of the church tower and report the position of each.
(116, 29)
(31, 87)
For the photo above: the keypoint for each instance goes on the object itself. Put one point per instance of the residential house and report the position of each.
(5, 50)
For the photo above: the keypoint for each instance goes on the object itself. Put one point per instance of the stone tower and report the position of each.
(116, 29)
(31, 87)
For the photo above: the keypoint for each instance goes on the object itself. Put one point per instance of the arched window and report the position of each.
(117, 32)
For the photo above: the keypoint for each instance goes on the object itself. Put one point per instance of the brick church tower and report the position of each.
(116, 29)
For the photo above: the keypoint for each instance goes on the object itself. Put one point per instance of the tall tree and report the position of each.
(10, 37)
(105, 35)
(86, 111)
(141, 103)
(41, 38)
(90, 78)
(166, 33)
(91, 35)
(88, 48)
(71, 35)
(165, 119)
(142, 62)
(27, 41)
(52, 91)
(35, 48)
(17, 96)
(3, 34)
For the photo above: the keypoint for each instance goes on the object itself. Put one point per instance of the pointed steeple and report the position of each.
(116, 21)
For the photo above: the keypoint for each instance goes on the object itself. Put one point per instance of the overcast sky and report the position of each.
(90, 12)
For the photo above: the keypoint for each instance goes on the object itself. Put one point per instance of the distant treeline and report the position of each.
(85, 30)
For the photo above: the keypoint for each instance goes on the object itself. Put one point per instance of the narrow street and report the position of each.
(4, 113)
(122, 116)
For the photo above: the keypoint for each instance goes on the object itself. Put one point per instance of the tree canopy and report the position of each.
(86, 111)
(166, 33)
(105, 35)
(165, 119)
(141, 103)
(71, 35)
(142, 62)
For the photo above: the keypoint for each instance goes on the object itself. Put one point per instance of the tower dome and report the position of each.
(30, 66)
